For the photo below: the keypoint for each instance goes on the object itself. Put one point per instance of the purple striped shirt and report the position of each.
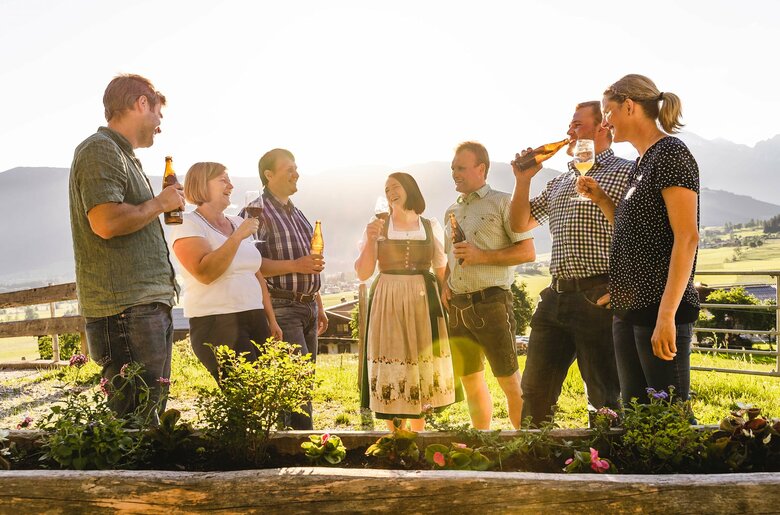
(287, 234)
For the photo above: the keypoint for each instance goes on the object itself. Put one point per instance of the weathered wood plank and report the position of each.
(60, 325)
(321, 490)
(42, 295)
(32, 364)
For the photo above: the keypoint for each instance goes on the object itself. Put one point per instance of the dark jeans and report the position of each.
(565, 327)
(639, 369)
(235, 330)
(480, 329)
(298, 322)
(140, 334)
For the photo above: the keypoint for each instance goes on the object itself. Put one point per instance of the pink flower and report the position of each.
(568, 462)
(105, 386)
(607, 413)
(24, 424)
(460, 445)
(438, 458)
(164, 381)
(78, 360)
(598, 465)
(123, 370)
(325, 438)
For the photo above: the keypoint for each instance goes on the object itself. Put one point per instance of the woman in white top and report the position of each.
(408, 367)
(225, 295)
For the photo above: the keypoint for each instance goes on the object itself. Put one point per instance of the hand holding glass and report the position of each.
(253, 206)
(382, 211)
(584, 157)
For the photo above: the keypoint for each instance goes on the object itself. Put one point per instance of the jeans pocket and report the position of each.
(99, 340)
(592, 295)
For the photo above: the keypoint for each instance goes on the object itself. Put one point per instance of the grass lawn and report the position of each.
(336, 400)
(13, 349)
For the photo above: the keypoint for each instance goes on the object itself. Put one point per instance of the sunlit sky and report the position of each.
(343, 84)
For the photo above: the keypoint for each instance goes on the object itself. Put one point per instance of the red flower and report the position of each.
(438, 458)
(325, 438)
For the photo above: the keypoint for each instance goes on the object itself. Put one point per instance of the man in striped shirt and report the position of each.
(290, 269)
(573, 319)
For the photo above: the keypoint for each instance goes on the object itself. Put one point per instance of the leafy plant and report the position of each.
(252, 396)
(745, 442)
(522, 306)
(458, 456)
(171, 442)
(325, 449)
(84, 433)
(398, 448)
(658, 436)
(734, 318)
(4, 463)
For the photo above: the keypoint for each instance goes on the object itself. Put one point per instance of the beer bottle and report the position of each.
(169, 179)
(317, 243)
(457, 233)
(539, 154)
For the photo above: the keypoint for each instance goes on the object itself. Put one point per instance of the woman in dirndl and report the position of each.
(407, 370)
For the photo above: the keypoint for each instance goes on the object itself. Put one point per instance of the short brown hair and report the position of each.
(268, 162)
(595, 106)
(414, 199)
(479, 150)
(123, 91)
(196, 189)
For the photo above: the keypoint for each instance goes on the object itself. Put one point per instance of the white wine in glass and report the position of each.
(382, 211)
(584, 157)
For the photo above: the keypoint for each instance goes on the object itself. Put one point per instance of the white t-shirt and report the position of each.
(235, 290)
(439, 257)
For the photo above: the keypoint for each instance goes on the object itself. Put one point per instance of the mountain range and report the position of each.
(37, 247)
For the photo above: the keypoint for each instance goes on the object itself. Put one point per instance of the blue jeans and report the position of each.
(298, 322)
(568, 326)
(638, 367)
(140, 334)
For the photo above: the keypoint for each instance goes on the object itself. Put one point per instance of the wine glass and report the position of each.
(382, 211)
(584, 157)
(253, 207)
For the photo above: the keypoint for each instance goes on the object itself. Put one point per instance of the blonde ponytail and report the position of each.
(644, 92)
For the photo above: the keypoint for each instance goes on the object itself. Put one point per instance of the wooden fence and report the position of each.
(53, 326)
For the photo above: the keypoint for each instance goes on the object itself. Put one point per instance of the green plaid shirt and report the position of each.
(484, 217)
(115, 274)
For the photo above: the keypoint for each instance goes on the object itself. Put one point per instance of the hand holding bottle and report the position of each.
(530, 159)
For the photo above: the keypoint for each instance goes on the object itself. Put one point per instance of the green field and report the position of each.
(765, 257)
(336, 400)
(14, 349)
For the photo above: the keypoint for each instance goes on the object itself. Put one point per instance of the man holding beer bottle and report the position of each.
(573, 318)
(477, 293)
(290, 268)
(124, 278)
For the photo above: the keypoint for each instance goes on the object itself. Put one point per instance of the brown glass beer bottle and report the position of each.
(169, 178)
(539, 154)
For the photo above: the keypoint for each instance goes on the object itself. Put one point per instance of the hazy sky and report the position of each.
(388, 83)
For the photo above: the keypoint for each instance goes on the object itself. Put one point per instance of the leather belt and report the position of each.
(303, 298)
(562, 285)
(479, 295)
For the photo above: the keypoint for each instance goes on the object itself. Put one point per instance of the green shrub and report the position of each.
(253, 396)
(70, 344)
(659, 438)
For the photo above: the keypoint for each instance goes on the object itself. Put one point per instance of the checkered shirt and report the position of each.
(581, 235)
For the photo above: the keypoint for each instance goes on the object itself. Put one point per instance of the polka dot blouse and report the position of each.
(643, 238)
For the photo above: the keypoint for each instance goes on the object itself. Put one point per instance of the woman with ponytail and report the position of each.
(653, 255)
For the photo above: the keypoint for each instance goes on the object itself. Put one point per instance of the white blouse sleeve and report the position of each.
(188, 228)
(439, 257)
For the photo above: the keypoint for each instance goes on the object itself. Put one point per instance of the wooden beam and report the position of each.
(321, 490)
(42, 295)
(41, 326)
